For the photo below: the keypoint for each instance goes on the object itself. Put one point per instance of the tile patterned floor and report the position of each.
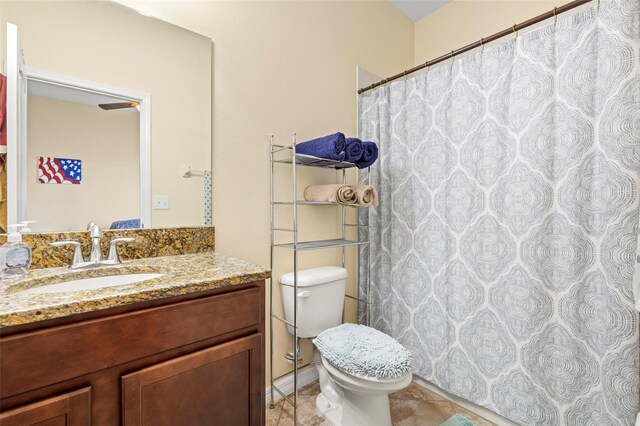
(413, 406)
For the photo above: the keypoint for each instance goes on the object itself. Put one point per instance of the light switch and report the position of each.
(161, 202)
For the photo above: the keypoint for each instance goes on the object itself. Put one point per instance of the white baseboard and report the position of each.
(467, 405)
(306, 376)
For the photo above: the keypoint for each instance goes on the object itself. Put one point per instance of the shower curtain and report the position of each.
(503, 248)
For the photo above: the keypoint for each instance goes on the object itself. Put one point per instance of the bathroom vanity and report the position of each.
(186, 348)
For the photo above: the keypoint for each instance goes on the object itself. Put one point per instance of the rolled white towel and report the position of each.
(367, 195)
(341, 194)
(347, 195)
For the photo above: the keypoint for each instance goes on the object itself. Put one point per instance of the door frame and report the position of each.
(16, 128)
(144, 101)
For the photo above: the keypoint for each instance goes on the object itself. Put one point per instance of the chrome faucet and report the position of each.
(96, 236)
(95, 257)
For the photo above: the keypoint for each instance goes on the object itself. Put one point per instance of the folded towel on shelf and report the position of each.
(366, 195)
(330, 147)
(369, 155)
(353, 150)
(336, 193)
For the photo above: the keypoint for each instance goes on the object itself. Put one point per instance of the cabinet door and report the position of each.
(220, 385)
(69, 409)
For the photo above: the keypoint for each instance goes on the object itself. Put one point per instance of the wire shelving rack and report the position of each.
(287, 155)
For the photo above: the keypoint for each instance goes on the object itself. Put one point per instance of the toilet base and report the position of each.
(344, 407)
(355, 410)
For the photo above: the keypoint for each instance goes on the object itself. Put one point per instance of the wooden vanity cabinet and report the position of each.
(179, 391)
(192, 360)
(70, 408)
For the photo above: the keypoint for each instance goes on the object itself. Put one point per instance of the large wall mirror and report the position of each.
(108, 118)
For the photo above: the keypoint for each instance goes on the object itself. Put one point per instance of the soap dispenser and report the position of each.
(15, 256)
(25, 226)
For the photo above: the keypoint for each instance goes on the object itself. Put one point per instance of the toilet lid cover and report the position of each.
(364, 351)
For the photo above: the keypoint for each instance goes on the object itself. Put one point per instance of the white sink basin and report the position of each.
(91, 283)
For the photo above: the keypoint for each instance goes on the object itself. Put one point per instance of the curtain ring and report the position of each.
(555, 15)
(514, 30)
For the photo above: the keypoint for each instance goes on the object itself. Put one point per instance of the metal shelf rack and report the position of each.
(286, 154)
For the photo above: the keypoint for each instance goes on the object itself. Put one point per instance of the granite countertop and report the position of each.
(182, 274)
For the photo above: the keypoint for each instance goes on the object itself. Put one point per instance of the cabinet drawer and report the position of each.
(40, 358)
(220, 385)
(68, 409)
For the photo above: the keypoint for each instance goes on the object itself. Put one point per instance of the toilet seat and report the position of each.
(360, 383)
(364, 352)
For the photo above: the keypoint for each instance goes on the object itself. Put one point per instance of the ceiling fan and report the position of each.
(119, 105)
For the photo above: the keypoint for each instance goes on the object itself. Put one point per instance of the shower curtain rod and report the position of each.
(517, 27)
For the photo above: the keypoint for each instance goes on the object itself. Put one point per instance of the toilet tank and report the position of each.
(320, 299)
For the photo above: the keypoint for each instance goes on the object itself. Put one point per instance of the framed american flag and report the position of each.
(59, 170)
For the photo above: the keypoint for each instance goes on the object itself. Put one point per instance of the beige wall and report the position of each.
(281, 67)
(462, 22)
(107, 142)
(110, 44)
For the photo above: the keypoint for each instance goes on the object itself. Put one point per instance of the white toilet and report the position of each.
(347, 398)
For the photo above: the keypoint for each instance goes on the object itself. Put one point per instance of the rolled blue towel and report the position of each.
(330, 146)
(353, 151)
(369, 155)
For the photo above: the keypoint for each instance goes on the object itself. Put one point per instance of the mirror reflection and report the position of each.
(113, 110)
(80, 160)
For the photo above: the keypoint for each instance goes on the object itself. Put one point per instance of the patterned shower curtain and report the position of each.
(503, 248)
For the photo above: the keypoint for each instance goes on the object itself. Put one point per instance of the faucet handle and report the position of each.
(77, 251)
(113, 248)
